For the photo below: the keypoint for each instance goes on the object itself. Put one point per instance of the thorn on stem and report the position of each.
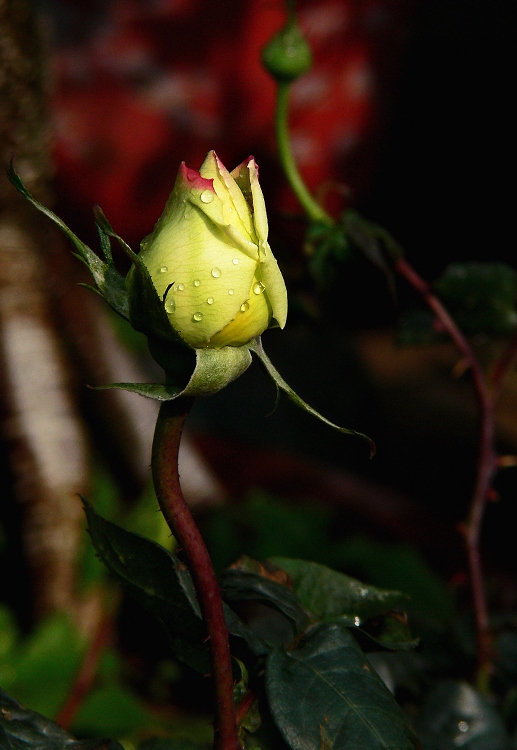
(460, 368)
(506, 462)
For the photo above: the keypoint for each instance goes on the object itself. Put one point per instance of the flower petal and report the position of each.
(272, 278)
(254, 315)
(246, 177)
(236, 210)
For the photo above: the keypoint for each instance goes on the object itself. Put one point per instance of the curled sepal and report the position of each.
(214, 369)
(146, 309)
(109, 282)
(256, 347)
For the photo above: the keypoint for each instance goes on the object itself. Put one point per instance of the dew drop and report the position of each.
(210, 301)
(235, 261)
(197, 317)
(197, 282)
(230, 291)
(463, 726)
(180, 287)
(216, 272)
(163, 269)
(258, 288)
(357, 621)
(245, 306)
(207, 196)
(170, 305)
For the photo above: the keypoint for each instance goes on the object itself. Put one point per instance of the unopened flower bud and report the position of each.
(209, 258)
(287, 56)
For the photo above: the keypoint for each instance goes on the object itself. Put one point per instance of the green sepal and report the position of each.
(110, 283)
(157, 391)
(214, 369)
(256, 347)
(146, 309)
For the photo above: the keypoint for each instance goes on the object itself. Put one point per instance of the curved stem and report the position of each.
(313, 209)
(168, 491)
(486, 466)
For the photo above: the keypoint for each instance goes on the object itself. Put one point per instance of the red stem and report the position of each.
(487, 460)
(168, 491)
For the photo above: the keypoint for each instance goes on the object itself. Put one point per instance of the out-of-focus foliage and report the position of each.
(481, 297)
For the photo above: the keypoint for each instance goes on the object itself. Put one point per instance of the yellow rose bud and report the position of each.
(209, 258)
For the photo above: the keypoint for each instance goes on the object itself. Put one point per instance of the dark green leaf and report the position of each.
(110, 283)
(327, 247)
(480, 296)
(398, 566)
(325, 688)
(239, 585)
(22, 729)
(389, 631)
(256, 347)
(328, 594)
(157, 580)
(374, 242)
(162, 585)
(455, 715)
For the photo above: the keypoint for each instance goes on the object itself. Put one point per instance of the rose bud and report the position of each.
(209, 258)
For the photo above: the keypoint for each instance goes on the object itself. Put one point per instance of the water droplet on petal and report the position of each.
(230, 291)
(245, 306)
(207, 196)
(258, 288)
(163, 269)
(210, 301)
(180, 287)
(463, 726)
(197, 282)
(216, 272)
(170, 305)
(197, 317)
(235, 261)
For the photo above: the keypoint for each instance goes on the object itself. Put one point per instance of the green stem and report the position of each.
(166, 443)
(313, 209)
